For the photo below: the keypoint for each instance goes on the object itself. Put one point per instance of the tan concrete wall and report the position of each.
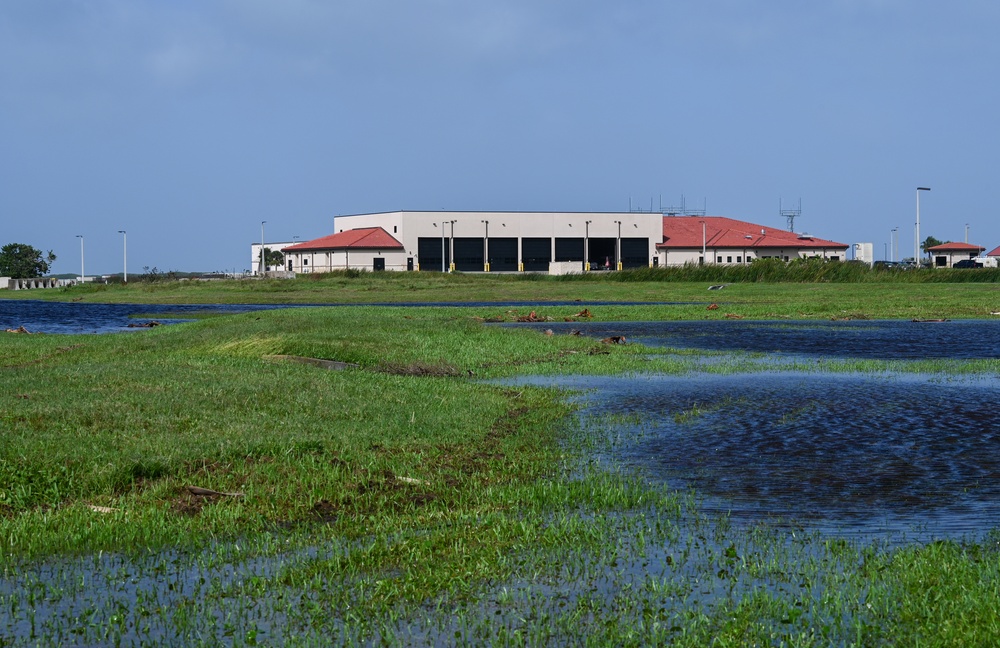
(408, 227)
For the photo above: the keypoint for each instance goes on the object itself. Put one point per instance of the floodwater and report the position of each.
(76, 318)
(875, 455)
(882, 339)
(867, 455)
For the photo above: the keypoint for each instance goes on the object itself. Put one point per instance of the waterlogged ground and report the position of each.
(794, 491)
(883, 340)
(890, 456)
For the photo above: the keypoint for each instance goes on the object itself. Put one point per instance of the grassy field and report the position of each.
(871, 294)
(414, 499)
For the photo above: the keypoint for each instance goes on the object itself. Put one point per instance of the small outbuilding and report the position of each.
(370, 248)
(947, 255)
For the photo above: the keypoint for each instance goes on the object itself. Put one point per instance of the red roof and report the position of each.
(995, 252)
(956, 247)
(721, 232)
(365, 238)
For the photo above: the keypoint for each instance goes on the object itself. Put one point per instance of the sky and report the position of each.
(187, 123)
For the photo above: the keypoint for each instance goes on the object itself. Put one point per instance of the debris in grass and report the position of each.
(144, 324)
(411, 480)
(208, 492)
(576, 332)
(733, 316)
(533, 317)
(19, 329)
(614, 339)
(584, 313)
(440, 368)
(713, 307)
(549, 332)
(102, 509)
(324, 511)
(333, 365)
(717, 287)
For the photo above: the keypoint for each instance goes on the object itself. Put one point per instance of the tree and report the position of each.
(273, 258)
(20, 261)
(930, 242)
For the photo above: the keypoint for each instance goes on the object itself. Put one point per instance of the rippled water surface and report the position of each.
(889, 340)
(845, 453)
(849, 453)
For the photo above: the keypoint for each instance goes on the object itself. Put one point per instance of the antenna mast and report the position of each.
(790, 214)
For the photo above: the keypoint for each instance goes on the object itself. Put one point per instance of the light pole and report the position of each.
(442, 246)
(916, 242)
(586, 246)
(486, 248)
(124, 256)
(82, 275)
(894, 242)
(618, 247)
(704, 240)
(451, 246)
(263, 268)
(966, 232)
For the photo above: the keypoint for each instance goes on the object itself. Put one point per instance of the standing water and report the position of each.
(848, 453)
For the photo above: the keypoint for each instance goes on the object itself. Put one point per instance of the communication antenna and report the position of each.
(684, 211)
(790, 214)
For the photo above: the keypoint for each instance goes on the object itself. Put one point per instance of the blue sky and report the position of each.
(189, 122)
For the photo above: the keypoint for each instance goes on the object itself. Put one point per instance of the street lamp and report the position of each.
(486, 248)
(704, 240)
(618, 246)
(586, 246)
(442, 246)
(82, 275)
(966, 232)
(894, 242)
(916, 242)
(124, 256)
(451, 246)
(263, 268)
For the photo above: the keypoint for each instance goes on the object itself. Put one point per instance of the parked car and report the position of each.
(967, 263)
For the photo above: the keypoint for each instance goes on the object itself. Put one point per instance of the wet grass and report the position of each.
(405, 502)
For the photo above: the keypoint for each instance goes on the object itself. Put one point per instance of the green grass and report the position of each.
(760, 291)
(409, 501)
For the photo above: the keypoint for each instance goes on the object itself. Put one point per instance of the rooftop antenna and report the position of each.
(790, 214)
(683, 209)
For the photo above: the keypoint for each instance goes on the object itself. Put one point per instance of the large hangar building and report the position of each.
(554, 242)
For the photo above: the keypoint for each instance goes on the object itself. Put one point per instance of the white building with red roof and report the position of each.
(372, 248)
(720, 240)
(947, 255)
(546, 242)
